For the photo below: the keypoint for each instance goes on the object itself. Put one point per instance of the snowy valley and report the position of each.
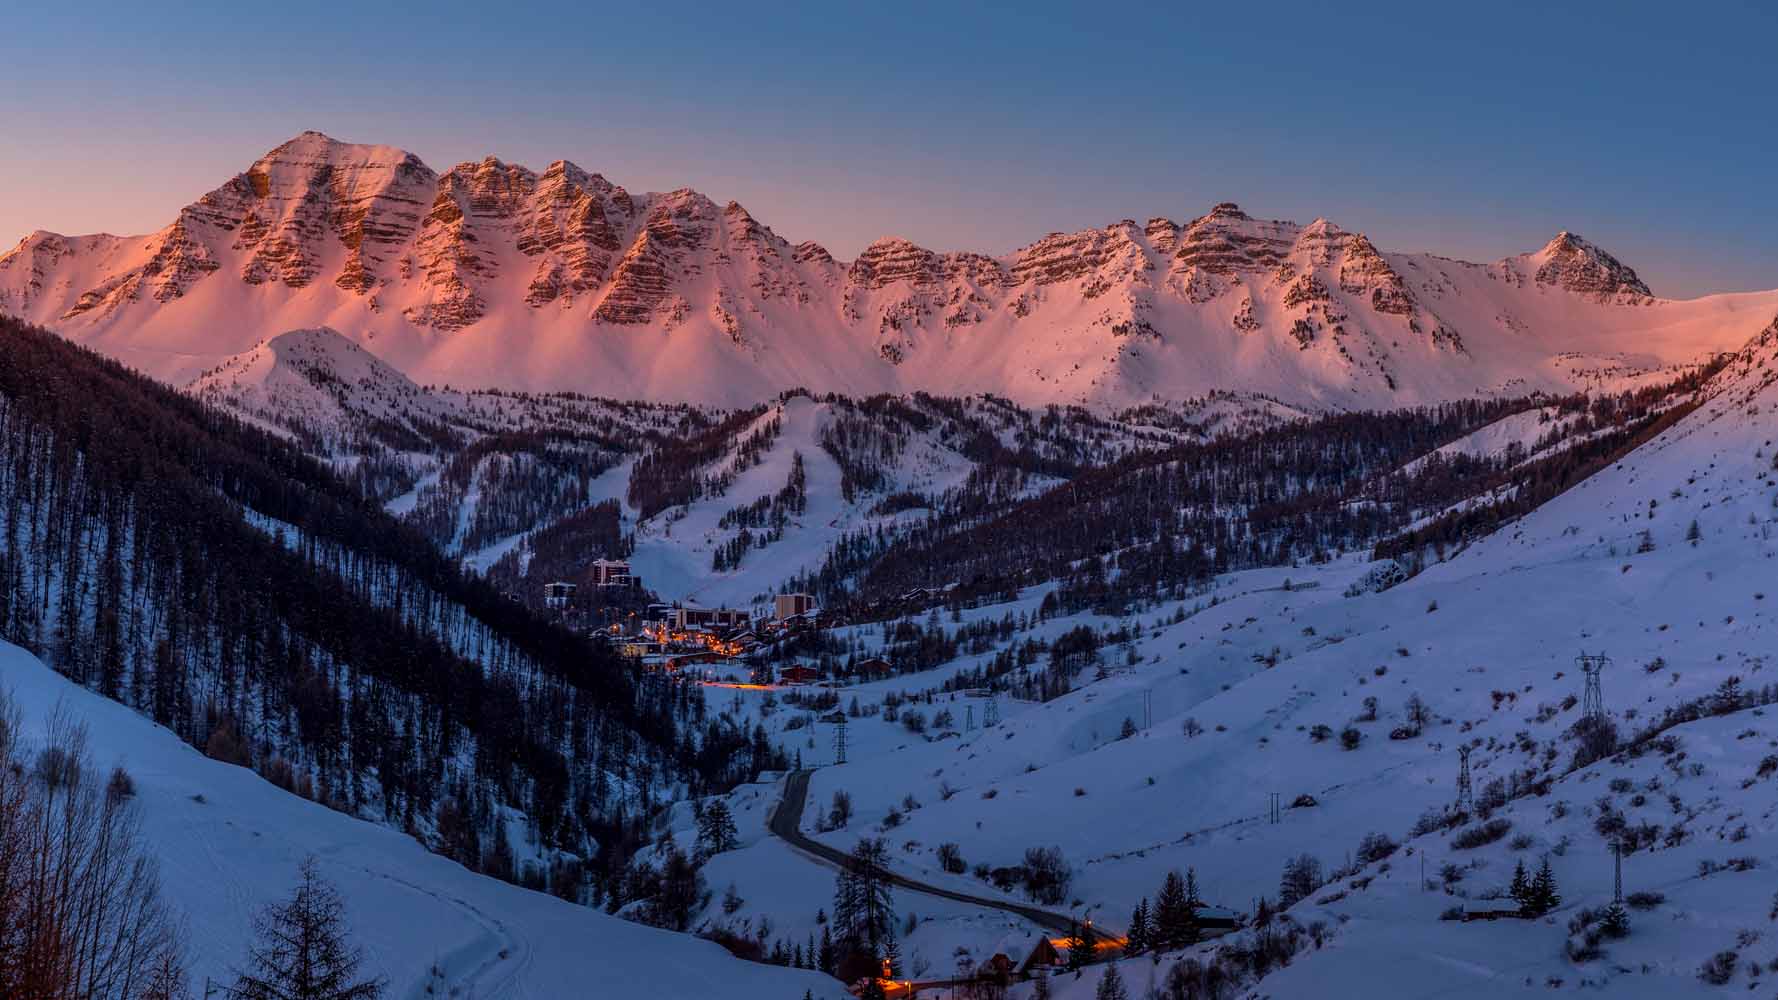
(612, 598)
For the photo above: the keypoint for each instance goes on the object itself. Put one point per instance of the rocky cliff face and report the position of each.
(1574, 265)
(371, 240)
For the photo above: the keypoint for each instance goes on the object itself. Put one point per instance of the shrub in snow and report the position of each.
(1719, 969)
(121, 786)
(1378, 579)
(1047, 875)
(1301, 877)
(950, 857)
(1374, 847)
(1595, 740)
(1481, 834)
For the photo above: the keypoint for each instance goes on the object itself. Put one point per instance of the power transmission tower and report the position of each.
(1274, 812)
(1617, 856)
(1593, 704)
(969, 718)
(839, 741)
(991, 712)
(1465, 796)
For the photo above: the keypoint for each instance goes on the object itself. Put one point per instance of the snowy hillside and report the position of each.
(1664, 562)
(491, 275)
(229, 843)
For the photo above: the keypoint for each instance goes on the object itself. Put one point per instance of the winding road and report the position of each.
(786, 825)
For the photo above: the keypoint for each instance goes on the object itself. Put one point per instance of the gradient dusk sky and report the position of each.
(1473, 130)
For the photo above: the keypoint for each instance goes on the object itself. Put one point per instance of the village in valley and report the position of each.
(758, 646)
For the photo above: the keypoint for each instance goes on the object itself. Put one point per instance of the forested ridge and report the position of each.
(1154, 523)
(213, 577)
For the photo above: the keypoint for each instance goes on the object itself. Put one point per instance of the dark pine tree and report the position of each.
(300, 949)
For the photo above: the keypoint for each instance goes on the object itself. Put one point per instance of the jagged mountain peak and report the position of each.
(1572, 263)
(317, 147)
(492, 274)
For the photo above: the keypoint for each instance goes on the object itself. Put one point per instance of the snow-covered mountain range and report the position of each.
(494, 275)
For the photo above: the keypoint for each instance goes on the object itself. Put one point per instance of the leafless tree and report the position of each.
(81, 915)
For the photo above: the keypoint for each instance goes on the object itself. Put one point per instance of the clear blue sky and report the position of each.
(1472, 129)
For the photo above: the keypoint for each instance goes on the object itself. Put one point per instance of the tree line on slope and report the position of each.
(1155, 524)
(214, 578)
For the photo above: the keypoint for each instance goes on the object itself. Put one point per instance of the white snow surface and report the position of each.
(228, 843)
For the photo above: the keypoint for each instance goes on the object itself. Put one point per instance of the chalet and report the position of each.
(798, 674)
(1214, 921)
(558, 596)
(918, 595)
(786, 606)
(611, 573)
(1044, 957)
(998, 970)
(874, 666)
